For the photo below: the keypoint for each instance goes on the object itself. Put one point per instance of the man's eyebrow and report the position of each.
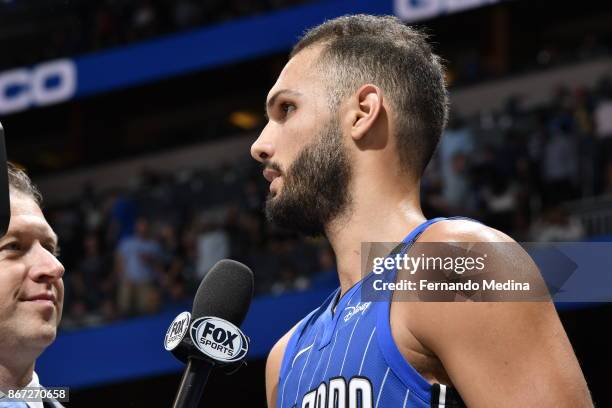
(50, 237)
(276, 94)
(54, 238)
(55, 243)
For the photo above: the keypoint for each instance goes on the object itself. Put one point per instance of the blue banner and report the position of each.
(61, 80)
(415, 10)
(58, 81)
(135, 348)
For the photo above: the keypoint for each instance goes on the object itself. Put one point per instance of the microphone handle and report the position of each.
(192, 384)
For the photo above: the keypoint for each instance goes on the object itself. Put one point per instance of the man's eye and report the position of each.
(55, 250)
(12, 246)
(287, 107)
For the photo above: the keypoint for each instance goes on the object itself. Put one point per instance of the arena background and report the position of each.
(135, 118)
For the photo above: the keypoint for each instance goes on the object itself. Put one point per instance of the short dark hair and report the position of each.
(19, 181)
(381, 50)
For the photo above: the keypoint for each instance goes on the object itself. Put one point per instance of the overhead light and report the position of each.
(245, 120)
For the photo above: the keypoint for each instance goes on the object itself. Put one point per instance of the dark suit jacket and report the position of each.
(52, 403)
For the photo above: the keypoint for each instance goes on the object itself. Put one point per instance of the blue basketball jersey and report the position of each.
(346, 358)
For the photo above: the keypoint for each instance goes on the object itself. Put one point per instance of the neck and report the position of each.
(379, 212)
(15, 375)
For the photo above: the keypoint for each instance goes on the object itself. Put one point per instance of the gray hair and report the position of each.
(19, 181)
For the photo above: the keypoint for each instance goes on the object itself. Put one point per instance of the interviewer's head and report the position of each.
(31, 286)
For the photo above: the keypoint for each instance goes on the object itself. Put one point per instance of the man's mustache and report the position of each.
(267, 164)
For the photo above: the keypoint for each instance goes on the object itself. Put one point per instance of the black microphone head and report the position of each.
(225, 292)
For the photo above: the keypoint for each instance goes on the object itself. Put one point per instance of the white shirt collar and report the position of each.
(35, 383)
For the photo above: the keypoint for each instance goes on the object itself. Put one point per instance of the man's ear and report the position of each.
(365, 108)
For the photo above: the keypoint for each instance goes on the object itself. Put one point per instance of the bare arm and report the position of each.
(499, 354)
(273, 366)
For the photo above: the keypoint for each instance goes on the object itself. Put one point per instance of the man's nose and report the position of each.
(45, 266)
(262, 149)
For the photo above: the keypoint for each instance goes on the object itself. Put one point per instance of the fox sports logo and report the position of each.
(219, 339)
(177, 330)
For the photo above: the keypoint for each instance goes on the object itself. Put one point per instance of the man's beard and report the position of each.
(315, 188)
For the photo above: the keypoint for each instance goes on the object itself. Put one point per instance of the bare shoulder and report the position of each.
(431, 321)
(506, 259)
(463, 230)
(478, 343)
(273, 366)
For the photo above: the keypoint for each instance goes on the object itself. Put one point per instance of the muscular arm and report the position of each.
(498, 354)
(273, 365)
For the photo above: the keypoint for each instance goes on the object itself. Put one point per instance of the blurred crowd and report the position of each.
(468, 66)
(33, 32)
(131, 252)
(515, 169)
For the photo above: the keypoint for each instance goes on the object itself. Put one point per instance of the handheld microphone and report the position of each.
(209, 336)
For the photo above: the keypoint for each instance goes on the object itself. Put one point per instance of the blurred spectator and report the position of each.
(603, 119)
(138, 263)
(560, 167)
(175, 278)
(95, 269)
(557, 225)
(500, 198)
(456, 188)
(91, 287)
(122, 215)
(456, 144)
(90, 209)
(212, 246)
(289, 280)
(603, 130)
